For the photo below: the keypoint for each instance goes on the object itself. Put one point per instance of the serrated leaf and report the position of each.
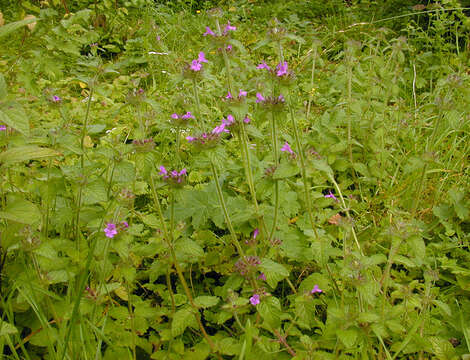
(347, 337)
(274, 272)
(190, 248)
(181, 320)
(285, 170)
(20, 210)
(95, 192)
(206, 301)
(26, 153)
(124, 172)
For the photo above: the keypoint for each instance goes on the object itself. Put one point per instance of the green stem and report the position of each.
(85, 124)
(311, 79)
(345, 209)
(168, 238)
(235, 241)
(276, 182)
(303, 171)
(249, 176)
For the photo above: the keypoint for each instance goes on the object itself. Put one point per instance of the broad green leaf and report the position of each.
(95, 192)
(348, 337)
(20, 210)
(13, 115)
(181, 320)
(271, 312)
(206, 301)
(285, 170)
(124, 172)
(26, 153)
(11, 27)
(189, 248)
(274, 272)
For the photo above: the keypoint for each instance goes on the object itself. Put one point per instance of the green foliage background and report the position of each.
(377, 114)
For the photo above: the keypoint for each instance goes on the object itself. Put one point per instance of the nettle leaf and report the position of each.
(124, 172)
(190, 249)
(20, 210)
(13, 115)
(181, 320)
(270, 310)
(348, 337)
(206, 301)
(274, 272)
(26, 153)
(286, 169)
(95, 192)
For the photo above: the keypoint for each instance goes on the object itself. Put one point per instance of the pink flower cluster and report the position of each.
(111, 229)
(173, 177)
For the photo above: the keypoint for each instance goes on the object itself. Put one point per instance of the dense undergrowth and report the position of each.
(259, 180)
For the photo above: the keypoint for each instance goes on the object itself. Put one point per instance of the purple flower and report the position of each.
(246, 120)
(163, 171)
(188, 115)
(287, 148)
(195, 65)
(219, 129)
(228, 47)
(242, 93)
(255, 233)
(228, 28)
(208, 32)
(281, 69)
(331, 196)
(124, 224)
(182, 172)
(263, 65)
(280, 98)
(262, 277)
(190, 138)
(175, 116)
(110, 230)
(316, 289)
(201, 57)
(229, 95)
(230, 120)
(259, 98)
(3, 128)
(254, 300)
(56, 99)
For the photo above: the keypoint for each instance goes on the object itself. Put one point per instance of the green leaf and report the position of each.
(181, 320)
(285, 170)
(322, 165)
(20, 210)
(206, 301)
(270, 310)
(10, 27)
(190, 249)
(274, 272)
(124, 172)
(95, 192)
(7, 328)
(26, 153)
(13, 115)
(348, 337)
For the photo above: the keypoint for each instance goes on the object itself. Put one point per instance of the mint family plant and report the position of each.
(217, 192)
